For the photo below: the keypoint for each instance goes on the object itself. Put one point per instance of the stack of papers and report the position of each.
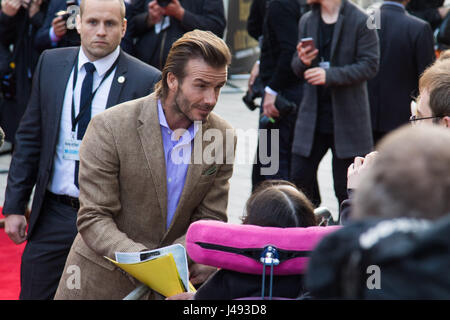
(165, 270)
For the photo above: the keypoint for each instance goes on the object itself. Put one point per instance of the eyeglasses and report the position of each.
(414, 118)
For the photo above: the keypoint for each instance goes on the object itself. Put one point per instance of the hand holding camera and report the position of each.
(157, 9)
(59, 24)
(173, 8)
(11, 7)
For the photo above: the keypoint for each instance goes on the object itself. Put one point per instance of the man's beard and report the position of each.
(182, 101)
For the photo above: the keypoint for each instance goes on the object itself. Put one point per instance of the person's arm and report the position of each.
(212, 18)
(24, 166)
(302, 59)
(256, 18)
(99, 190)
(285, 32)
(9, 18)
(424, 48)
(46, 37)
(366, 62)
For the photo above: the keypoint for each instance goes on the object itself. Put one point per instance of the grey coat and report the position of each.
(354, 60)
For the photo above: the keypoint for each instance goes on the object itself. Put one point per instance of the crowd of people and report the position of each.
(100, 98)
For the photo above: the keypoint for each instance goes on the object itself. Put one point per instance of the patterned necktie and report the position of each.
(86, 92)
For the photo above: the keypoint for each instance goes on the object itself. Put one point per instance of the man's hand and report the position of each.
(15, 227)
(199, 273)
(174, 9)
(358, 167)
(155, 13)
(315, 76)
(59, 27)
(306, 55)
(10, 7)
(182, 296)
(269, 108)
(33, 6)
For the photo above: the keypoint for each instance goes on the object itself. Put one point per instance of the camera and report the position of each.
(163, 3)
(256, 92)
(284, 106)
(65, 14)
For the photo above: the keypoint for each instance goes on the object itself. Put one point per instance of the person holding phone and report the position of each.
(334, 113)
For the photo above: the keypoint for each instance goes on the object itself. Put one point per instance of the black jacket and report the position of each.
(412, 257)
(42, 38)
(255, 19)
(19, 31)
(280, 35)
(153, 48)
(406, 49)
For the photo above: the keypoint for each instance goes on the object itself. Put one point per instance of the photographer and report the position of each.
(19, 21)
(159, 23)
(54, 33)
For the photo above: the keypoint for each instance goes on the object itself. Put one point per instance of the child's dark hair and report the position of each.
(278, 203)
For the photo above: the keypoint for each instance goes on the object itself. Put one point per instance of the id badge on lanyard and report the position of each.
(72, 147)
(324, 64)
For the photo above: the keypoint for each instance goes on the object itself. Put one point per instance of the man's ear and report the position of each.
(78, 22)
(172, 81)
(124, 26)
(446, 121)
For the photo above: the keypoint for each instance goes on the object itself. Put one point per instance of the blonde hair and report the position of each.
(121, 2)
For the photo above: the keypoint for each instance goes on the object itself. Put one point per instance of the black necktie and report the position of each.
(85, 103)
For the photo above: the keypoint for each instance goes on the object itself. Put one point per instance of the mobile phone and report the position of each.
(308, 42)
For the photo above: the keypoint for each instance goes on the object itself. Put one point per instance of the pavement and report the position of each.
(232, 109)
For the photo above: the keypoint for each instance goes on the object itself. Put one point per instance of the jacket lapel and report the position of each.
(150, 134)
(337, 30)
(64, 69)
(118, 81)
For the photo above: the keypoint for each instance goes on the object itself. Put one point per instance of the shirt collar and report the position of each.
(101, 65)
(393, 3)
(193, 128)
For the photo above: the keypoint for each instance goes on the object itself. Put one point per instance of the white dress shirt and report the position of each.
(62, 177)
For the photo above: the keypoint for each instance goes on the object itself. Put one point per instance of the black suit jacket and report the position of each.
(152, 48)
(37, 136)
(406, 49)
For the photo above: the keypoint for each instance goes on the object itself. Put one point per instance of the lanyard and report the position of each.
(84, 107)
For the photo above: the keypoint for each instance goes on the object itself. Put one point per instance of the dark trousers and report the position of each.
(46, 251)
(304, 169)
(285, 126)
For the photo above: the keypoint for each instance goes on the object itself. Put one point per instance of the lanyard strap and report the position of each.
(84, 107)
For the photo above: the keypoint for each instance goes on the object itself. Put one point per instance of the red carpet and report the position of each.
(10, 256)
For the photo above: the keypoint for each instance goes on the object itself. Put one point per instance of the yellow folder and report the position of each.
(160, 274)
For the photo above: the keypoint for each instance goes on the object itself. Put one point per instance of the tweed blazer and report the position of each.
(354, 60)
(123, 197)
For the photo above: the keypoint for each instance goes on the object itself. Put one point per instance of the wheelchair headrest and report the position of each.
(239, 247)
